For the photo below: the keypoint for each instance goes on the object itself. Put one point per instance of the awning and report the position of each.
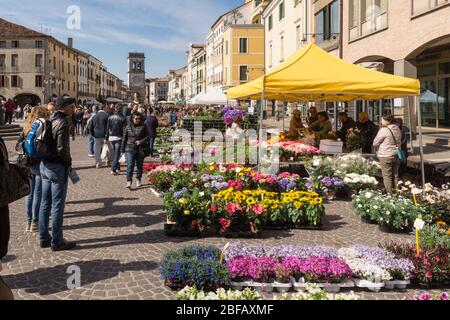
(113, 100)
(312, 74)
(214, 96)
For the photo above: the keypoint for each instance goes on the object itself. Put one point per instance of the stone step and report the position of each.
(10, 130)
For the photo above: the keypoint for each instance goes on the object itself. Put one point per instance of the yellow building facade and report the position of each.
(63, 67)
(243, 58)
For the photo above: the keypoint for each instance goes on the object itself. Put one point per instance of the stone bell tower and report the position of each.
(136, 76)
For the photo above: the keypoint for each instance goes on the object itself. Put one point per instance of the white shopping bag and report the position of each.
(105, 153)
(123, 160)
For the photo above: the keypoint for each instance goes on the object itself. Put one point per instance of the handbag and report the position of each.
(14, 183)
(400, 153)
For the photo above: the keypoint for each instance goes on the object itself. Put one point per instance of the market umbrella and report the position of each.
(113, 100)
(91, 102)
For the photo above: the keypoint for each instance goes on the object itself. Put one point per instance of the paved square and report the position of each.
(121, 241)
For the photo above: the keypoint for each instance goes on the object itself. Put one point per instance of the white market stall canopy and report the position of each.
(213, 96)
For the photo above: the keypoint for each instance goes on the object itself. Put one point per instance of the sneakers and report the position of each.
(28, 227)
(91, 155)
(98, 165)
(34, 227)
(64, 245)
(129, 185)
(138, 184)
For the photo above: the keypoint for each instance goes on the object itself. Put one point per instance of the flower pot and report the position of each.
(397, 284)
(368, 220)
(237, 285)
(330, 195)
(389, 229)
(262, 287)
(372, 286)
(282, 287)
(298, 286)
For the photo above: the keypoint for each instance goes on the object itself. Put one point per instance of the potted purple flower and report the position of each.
(331, 185)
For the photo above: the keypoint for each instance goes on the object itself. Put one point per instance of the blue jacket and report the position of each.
(151, 124)
(99, 125)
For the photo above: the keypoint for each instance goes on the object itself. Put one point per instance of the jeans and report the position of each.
(133, 159)
(35, 196)
(152, 145)
(116, 155)
(389, 170)
(54, 192)
(91, 144)
(8, 117)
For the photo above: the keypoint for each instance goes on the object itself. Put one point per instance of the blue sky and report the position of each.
(112, 28)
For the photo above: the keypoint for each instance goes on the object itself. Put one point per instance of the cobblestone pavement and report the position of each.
(121, 241)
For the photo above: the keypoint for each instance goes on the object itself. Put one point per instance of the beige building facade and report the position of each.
(410, 38)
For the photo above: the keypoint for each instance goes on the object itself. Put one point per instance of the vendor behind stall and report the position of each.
(347, 123)
(321, 127)
(313, 117)
(367, 129)
(296, 122)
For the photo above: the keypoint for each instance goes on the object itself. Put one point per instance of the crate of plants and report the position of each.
(267, 273)
(189, 212)
(393, 213)
(197, 266)
(296, 210)
(377, 268)
(331, 274)
(431, 265)
(258, 273)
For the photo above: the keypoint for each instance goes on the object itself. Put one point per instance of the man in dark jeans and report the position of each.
(152, 125)
(55, 172)
(97, 128)
(5, 291)
(114, 134)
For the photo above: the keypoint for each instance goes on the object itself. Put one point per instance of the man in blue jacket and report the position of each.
(98, 128)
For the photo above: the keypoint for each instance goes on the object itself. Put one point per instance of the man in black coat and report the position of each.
(152, 125)
(98, 127)
(367, 129)
(347, 124)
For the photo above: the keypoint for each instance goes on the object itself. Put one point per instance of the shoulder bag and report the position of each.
(400, 153)
(14, 180)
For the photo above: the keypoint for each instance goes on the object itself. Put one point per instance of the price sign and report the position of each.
(225, 248)
(419, 224)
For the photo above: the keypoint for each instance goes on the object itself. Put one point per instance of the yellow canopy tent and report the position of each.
(312, 74)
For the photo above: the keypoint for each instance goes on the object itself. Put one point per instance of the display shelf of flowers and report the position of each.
(342, 174)
(234, 200)
(294, 268)
(397, 212)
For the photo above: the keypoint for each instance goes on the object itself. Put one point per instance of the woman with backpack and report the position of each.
(34, 198)
(135, 146)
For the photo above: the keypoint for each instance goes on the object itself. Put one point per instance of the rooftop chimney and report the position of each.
(70, 42)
